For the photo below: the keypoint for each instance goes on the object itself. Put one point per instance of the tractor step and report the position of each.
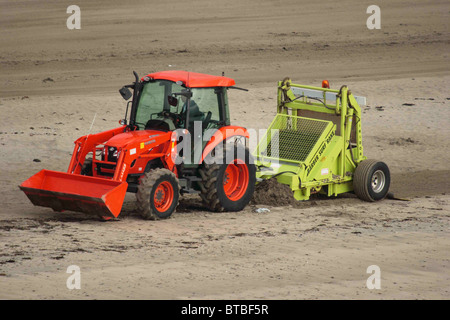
(186, 184)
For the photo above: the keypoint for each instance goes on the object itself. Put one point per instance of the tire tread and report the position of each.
(145, 187)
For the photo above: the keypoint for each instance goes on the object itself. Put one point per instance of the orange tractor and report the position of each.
(176, 139)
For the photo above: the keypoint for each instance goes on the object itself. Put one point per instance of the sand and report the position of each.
(55, 80)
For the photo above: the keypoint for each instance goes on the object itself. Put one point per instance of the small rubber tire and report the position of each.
(228, 186)
(158, 194)
(371, 180)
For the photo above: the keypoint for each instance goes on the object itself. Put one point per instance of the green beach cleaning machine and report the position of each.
(314, 145)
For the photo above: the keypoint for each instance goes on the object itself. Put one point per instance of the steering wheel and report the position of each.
(175, 117)
(133, 127)
(207, 119)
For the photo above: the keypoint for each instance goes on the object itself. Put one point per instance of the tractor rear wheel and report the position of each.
(228, 186)
(371, 180)
(158, 194)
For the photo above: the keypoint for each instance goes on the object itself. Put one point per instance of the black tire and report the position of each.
(371, 180)
(86, 169)
(214, 178)
(154, 186)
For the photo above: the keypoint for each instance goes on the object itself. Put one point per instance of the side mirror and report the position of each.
(125, 93)
(172, 101)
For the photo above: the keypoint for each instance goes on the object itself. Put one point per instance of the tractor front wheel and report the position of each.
(371, 180)
(158, 194)
(229, 184)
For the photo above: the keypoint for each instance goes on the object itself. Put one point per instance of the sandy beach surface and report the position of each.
(54, 81)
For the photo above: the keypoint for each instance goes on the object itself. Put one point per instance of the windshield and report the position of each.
(153, 100)
(208, 107)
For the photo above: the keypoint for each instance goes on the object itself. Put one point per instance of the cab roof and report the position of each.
(192, 79)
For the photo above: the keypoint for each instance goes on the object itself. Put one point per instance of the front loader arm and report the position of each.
(85, 144)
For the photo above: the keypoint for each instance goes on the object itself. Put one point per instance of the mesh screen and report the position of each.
(294, 137)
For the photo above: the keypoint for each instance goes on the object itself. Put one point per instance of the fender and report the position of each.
(223, 134)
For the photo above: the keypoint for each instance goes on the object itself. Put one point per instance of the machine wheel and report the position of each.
(228, 186)
(371, 180)
(158, 194)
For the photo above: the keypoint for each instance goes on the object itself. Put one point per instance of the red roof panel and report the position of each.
(193, 79)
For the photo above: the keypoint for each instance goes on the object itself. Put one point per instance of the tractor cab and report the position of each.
(171, 100)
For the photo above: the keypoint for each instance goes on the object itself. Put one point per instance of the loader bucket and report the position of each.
(63, 191)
